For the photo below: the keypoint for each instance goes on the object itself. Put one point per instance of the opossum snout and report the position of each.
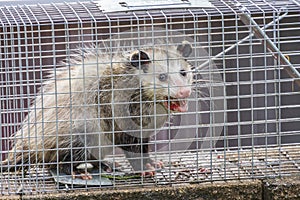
(183, 93)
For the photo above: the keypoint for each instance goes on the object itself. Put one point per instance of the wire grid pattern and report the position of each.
(247, 125)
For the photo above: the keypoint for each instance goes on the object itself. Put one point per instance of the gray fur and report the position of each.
(84, 107)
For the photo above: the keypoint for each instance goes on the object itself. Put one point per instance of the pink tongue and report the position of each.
(180, 106)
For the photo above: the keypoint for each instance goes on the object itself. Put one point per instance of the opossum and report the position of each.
(101, 101)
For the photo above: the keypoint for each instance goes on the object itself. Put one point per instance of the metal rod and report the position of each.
(277, 54)
(239, 42)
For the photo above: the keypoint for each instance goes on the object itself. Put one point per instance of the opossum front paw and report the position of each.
(150, 168)
(158, 164)
(149, 171)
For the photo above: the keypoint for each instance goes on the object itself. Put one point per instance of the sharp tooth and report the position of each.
(183, 102)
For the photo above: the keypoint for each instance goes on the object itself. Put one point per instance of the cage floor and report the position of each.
(186, 167)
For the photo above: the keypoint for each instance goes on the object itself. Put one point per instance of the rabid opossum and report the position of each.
(103, 101)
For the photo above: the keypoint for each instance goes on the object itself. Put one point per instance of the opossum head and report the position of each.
(166, 76)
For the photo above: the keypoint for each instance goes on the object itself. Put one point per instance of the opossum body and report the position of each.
(103, 101)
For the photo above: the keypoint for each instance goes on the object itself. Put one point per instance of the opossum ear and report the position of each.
(185, 48)
(140, 59)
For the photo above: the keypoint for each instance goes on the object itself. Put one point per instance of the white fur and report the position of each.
(66, 104)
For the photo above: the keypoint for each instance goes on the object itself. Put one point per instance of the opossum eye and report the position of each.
(183, 72)
(163, 77)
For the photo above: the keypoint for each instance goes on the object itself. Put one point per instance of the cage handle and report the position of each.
(155, 4)
(133, 5)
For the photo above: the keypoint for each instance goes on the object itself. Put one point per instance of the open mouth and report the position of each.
(177, 105)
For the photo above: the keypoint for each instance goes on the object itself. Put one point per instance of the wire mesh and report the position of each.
(242, 120)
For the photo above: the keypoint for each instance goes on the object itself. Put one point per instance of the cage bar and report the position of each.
(243, 116)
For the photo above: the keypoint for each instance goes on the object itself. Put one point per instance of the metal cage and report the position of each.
(243, 120)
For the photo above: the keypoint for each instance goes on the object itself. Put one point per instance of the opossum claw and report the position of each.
(83, 175)
(148, 174)
(158, 164)
(151, 168)
(86, 176)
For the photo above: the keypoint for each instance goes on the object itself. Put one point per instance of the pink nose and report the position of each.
(183, 93)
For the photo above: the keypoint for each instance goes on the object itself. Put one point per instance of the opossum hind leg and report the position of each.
(68, 168)
(80, 166)
(83, 170)
(15, 162)
(67, 165)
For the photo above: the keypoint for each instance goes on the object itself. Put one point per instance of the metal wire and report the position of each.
(243, 117)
